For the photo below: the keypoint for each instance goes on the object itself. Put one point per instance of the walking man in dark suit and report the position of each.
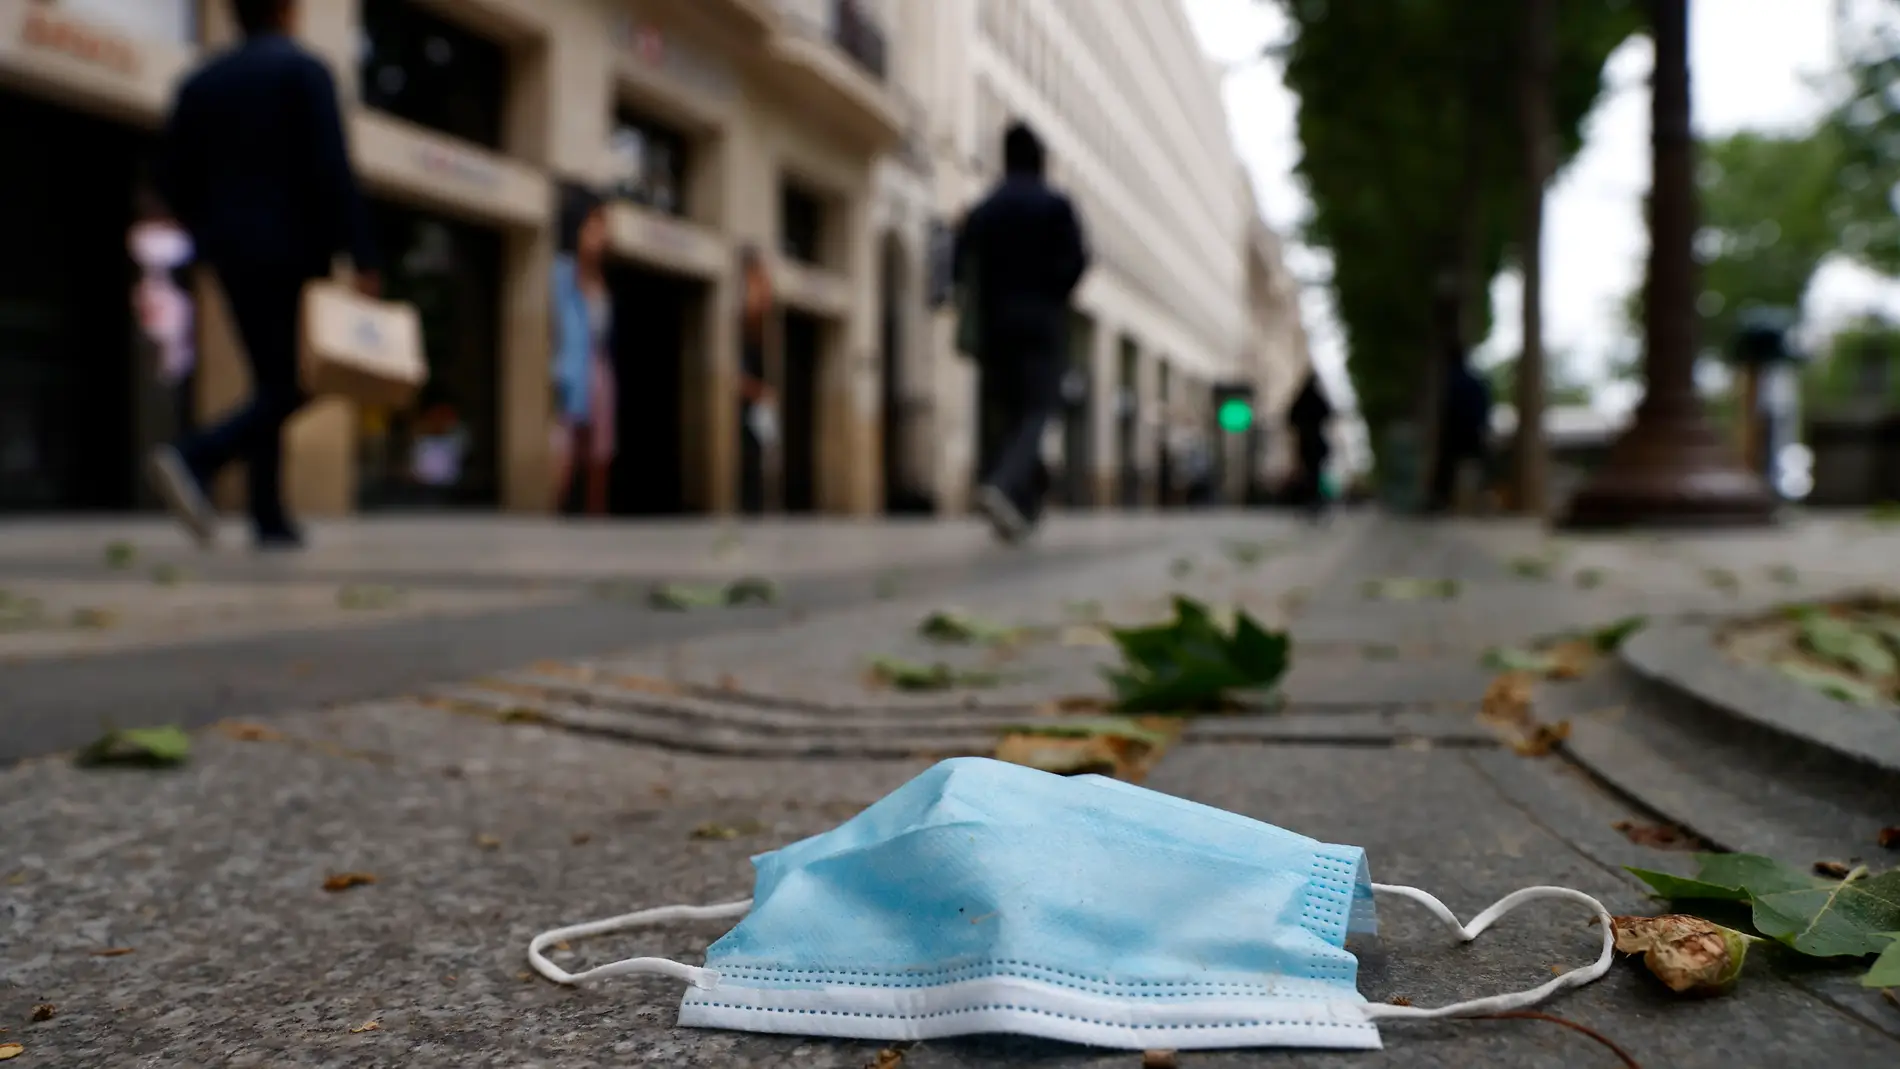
(1022, 252)
(255, 165)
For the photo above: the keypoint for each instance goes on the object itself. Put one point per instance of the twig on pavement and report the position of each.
(1533, 1015)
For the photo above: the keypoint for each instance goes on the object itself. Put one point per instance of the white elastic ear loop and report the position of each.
(692, 974)
(1516, 1000)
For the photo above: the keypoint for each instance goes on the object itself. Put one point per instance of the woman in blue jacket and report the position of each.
(585, 395)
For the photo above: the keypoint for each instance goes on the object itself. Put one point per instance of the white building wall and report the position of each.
(1131, 111)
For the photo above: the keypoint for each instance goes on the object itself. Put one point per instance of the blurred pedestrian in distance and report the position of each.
(586, 395)
(1309, 417)
(254, 164)
(1021, 253)
(758, 405)
(1465, 441)
(161, 249)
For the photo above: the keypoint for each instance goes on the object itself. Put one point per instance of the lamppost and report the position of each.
(1671, 467)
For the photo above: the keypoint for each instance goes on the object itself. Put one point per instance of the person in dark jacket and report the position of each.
(1022, 251)
(1466, 434)
(1309, 416)
(255, 165)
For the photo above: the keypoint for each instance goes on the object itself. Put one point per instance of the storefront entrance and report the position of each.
(1128, 423)
(1078, 416)
(656, 316)
(442, 451)
(72, 381)
(803, 351)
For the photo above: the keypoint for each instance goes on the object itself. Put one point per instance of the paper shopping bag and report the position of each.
(353, 346)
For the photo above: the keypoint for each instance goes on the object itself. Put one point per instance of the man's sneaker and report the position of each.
(1005, 518)
(284, 539)
(172, 478)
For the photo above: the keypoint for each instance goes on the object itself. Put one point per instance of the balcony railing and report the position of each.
(850, 26)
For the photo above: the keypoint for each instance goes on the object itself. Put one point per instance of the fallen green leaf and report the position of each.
(679, 597)
(1813, 915)
(1847, 644)
(94, 619)
(1722, 579)
(1886, 970)
(1589, 578)
(1517, 659)
(1181, 567)
(1885, 512)
(1089, 727)
(1531, 567)
(901, 674)
(166, 574)
(1247, 554)
(121, 555)
(165, 745)
(1189, 664)
(1610, 637)
(1784, 574)
(368, 597)
(752, 590)
(953, 626)
(1840, 687)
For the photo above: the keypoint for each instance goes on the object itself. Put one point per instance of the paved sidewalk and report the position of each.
(205, 883)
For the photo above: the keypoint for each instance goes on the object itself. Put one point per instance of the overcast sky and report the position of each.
(1756, 64)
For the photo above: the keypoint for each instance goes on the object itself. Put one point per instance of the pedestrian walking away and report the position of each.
(1309, 416)
(1020, 255)
(254, 164)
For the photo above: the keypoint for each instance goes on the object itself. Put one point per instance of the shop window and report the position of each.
(653, 161)
(419, 66)
(801, 224)
(172, 21)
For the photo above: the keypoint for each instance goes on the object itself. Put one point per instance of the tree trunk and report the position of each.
(1671, 467)
(1539, 60)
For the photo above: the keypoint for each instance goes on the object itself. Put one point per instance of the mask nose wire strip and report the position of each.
(692, 974)
(1515, 1000)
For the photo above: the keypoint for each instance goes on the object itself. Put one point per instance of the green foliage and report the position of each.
(159, 746)
(1837, 377)
(1813, 915)
(1562, 386)
(1412, 165)
(1866, 126)
(1191, 665)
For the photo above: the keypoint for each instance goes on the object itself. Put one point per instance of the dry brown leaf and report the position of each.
(728, 683)
(1570, 660)
(727, 832)
(488, 842)
(10, 1050)
(661, 790)
(888, 1058)
(580, 838)
(1399, 1000)
(243, 732)
(45, 1011)
(1660, 836)
(1508, 699)
(1833, 870)
(1542, 739)
(1688, 954)
(1159, 1059)
(1125, 759)
(367, 1026)
(1075, 703)
(343, 881)
(112, 952)
(1889, 838)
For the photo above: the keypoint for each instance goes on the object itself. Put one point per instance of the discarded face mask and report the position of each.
(985, 897)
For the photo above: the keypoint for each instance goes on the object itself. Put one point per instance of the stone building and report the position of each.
(840, 137)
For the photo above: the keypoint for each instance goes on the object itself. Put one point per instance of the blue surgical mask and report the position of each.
(984, 897)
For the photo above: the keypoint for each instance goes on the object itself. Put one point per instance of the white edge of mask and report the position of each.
(1026, 1007)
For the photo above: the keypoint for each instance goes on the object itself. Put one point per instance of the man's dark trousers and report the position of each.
(265, 304)
(1021, 391)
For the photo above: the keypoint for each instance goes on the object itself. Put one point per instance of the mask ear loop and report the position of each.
(696, 975)
(1516, 1000)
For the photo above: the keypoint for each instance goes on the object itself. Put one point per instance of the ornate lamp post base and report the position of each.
(1671, 469)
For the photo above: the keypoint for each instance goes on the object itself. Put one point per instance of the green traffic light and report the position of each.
(1235, 415)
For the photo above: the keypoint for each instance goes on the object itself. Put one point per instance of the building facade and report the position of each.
(841, 138)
